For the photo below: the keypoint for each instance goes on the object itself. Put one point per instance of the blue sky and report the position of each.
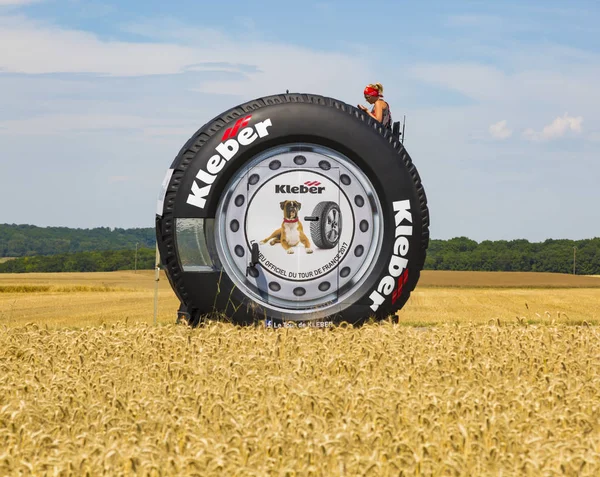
(501, 100)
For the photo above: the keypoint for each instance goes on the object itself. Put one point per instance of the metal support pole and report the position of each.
(156, 279)
(403, 124)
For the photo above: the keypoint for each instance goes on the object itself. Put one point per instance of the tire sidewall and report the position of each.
(346, 130)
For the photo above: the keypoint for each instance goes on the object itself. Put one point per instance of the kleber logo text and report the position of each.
(398, 265)
(309, 187)
(234, 137)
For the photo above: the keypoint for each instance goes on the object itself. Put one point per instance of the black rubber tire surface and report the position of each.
(312, 119)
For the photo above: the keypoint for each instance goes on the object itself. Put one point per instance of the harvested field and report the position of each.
(89, 299)
(429, 278)
(380, 400)
(84, 299)
(443, 278)
(126, 279)
(431, 306)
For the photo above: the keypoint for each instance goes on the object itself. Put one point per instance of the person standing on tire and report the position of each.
(381, 109)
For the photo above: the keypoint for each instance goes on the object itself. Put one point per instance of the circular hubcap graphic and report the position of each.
(298, 229)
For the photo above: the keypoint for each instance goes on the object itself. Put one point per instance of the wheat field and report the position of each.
(491, 381)
(382, 400)
(91, 299)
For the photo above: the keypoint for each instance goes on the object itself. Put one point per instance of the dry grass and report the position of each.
(376, 401)
(127, 279)
(443, 278)
(84, 299)
(60, 289)
(429, 306)
(6, 259)
(90, 299)
(89, 387)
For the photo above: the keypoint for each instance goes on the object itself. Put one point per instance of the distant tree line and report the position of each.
(29, 240)
(462, 253)
(49, 249)
(99, 261)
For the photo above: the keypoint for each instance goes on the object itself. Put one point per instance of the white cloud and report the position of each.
(492, 24)
(474, 20)
(526, 93)
(526, 85)
(39, 48)
(214, 63)
(4, 3)
(61, 123)
(479, 82)
(325, 7)
(556, 129)
(499, 130)
(118, 179)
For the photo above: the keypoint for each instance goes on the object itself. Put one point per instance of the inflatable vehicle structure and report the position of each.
(292, 209)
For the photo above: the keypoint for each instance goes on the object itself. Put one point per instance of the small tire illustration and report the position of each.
(327, 225)
(233, 227)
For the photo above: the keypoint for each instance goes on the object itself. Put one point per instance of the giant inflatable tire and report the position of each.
(240, 218)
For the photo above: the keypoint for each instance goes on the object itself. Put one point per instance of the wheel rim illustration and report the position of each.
(331, 225)
(329, 272)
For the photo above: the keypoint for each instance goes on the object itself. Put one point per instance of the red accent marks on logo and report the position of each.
(402, 279)
(232, 131)
(312, 183)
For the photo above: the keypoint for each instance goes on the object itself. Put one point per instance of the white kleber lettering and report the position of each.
(247, 136)
(401, 246)
(402, 209)
(215, 164)
(403, 230)
(205, 177)
(377, 300)
(397, 266)
(397, 263)
(261, 128)
(226, 151)
(198, 195)
(386, 285)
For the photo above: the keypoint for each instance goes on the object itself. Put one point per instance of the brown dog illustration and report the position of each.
(291, 232)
